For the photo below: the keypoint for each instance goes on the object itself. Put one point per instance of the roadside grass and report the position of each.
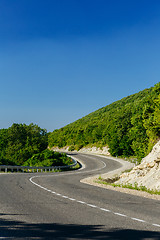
(72, 168)
(129, 186)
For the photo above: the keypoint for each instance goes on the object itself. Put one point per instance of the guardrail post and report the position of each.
(33, 169)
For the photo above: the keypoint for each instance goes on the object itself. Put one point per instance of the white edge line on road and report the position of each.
(156, 225)
(119, 214)
(91, 205)
(106, 210)
(137, 219)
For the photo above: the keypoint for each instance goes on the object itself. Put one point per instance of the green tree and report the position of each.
(20, 142)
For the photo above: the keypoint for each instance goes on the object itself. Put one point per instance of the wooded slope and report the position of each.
(130, 126)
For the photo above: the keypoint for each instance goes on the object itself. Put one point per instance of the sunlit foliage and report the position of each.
(130, 126)
(27, 145)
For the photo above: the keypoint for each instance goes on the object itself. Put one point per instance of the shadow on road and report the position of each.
(20, 230)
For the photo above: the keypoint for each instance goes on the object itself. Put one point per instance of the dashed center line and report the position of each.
(93, 206)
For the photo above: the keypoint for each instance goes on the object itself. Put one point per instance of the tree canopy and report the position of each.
(26, 145)
(19, 142)
(129, 126)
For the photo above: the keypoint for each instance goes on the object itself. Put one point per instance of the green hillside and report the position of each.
(129, 126)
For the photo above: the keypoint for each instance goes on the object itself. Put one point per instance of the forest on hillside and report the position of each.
(129, 127)
(27, 145)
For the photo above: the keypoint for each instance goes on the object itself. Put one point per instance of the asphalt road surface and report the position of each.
(59, 206)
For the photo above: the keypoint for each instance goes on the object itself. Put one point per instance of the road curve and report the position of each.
(59, 206)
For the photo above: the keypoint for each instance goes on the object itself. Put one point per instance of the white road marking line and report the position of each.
(72, 199)
(106, 210)
(137, 219)
(64, 196)
(81, 202)
(156, 225)
(90, 205)
(71, 173)
(120, 214)
(58, 194)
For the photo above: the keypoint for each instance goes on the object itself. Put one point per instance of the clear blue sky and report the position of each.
(62, 59)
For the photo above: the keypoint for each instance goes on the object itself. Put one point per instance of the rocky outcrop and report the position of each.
(95, 150)
(92, 150)
(145, 174)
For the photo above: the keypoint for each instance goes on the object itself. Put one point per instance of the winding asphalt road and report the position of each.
(59, 206)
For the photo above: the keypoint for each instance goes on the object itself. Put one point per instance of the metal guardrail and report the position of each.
(11, 168)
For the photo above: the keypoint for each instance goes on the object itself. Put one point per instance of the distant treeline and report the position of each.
(26, 145)
(129, 127)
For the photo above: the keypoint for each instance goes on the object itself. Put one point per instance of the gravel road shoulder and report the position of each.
(125, 166)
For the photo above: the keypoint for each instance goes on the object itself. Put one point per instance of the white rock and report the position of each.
(147, 173)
